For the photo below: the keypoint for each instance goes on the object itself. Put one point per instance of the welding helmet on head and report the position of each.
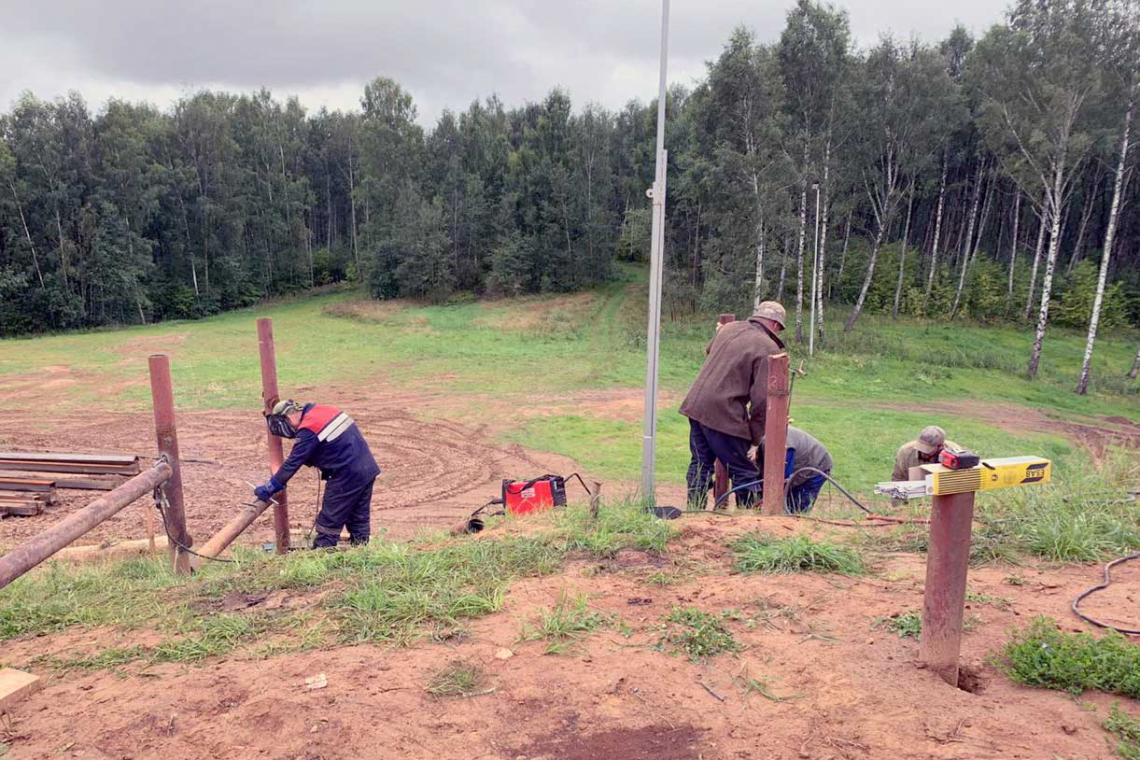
(278, 419)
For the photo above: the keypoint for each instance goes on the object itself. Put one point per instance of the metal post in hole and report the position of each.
(720, 477)
(166, 432)
(269, 395)
(775, 434)
(947, 563)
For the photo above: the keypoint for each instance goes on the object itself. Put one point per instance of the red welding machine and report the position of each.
(521, 497)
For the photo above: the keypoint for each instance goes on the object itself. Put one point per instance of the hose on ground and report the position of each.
(1076, 605)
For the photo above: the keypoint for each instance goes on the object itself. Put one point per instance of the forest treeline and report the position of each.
(987, 178)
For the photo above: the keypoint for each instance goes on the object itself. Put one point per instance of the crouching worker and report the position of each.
(803, 451)
(328, 439)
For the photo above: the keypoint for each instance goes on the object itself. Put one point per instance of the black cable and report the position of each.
(831, 480)
(159, 499)
(585, 487)
(1101, 587)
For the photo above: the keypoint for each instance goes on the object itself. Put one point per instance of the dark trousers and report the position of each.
(802, 497)
(707, 446)
(347, 503)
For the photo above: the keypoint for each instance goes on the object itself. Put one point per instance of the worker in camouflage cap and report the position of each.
(924, 450)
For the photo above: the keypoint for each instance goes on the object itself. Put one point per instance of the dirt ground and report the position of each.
(434, 473)
(846, 689)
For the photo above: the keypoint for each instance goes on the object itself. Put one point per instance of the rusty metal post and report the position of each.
(720, 477)
(776, 434)
(269, 396)
(33, 552)
(162, 397)
(947, 562)
(224, 537)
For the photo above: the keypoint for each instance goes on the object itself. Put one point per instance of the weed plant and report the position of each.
(1126, 729)
(696, 633)
(761, 553)
(1044, 657)
(564, 625)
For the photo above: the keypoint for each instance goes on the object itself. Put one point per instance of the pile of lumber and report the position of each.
(82, 464)
(27, 496)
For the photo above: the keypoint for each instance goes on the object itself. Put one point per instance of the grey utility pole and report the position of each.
(656, 263)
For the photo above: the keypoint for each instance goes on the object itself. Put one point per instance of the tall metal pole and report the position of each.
(814, 275)
(276, 451)
(174, 514)
(656, 263)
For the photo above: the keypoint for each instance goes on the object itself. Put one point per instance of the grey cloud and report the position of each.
(445, 51)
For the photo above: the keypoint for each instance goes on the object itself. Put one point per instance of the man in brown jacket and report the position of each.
(727, 402)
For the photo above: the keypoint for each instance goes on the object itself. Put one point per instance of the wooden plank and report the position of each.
(25, 484)
(46, 456)
(16, 685)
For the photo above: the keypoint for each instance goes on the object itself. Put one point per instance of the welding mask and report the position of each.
(278, 419)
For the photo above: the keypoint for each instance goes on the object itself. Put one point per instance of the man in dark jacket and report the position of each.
(329, 440)
(727, 403)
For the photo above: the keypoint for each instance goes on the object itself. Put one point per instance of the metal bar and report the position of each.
(234, 528)
(162, 395)
(269, 395)
(720, 477)
(13, 465)
(26, 484)
(46, 456)
(775, 434)
(944, 602)
(656, 264)
(86, 484)
(33, 552)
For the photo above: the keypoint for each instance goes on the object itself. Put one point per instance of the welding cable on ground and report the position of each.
(160, 503)
(1076, 605)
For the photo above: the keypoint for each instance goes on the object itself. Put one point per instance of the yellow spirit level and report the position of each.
(989, 475)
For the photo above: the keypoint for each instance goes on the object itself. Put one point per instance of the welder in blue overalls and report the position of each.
(328, 439)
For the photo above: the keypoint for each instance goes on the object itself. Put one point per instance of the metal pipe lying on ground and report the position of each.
(21, 560)
(234, 528)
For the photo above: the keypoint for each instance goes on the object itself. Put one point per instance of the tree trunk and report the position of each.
(27, 234)
(328, 209)
(1036, 262)
(843, 253)
(800, 259)
(1013, 248)
(1109, 236)
(1086, 214)
(62, 253)
(937, 228)
(352, 204)
(866, 280)
(902, 256)
(967, 245)
(758, 287)
(783, 271)
(1135, 371)
(1057, 207)
(823, 239)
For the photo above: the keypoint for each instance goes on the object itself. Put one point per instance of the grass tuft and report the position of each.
(563, 626)
(457, 679)
(620, 525)
(761, 553)
(698, 634)
(907, 625)
(1126, 729)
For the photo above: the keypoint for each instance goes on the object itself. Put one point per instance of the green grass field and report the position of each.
(862, 395)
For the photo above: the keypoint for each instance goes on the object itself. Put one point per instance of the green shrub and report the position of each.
(698, 634)
(1127, 730)
(1044, 657)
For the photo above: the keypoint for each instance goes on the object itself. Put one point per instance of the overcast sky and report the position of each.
(446, 52)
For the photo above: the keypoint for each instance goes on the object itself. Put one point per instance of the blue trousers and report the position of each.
(347, 503)
(802, 497)
(706, 446)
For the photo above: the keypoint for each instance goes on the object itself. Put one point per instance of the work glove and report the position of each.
(265, 492)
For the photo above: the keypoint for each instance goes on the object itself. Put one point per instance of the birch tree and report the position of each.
(1123, 36)
(1038, 75)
